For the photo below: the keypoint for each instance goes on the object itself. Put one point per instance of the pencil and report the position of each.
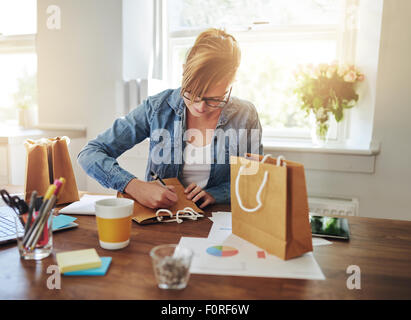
(30, 233)
(44, 215)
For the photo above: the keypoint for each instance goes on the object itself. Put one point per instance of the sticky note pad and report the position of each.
(78, 260)
(61, 221)
(105, 263)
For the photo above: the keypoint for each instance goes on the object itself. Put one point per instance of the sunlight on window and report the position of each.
(18, 17)
(269, 85)
(17, 67)
(17, 83)
(185, 14)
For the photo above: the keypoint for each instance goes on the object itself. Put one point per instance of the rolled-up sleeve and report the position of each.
(98, 157)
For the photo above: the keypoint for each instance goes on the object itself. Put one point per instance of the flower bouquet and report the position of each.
(326, 89)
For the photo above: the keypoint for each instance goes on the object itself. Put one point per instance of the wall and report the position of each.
(391, 187)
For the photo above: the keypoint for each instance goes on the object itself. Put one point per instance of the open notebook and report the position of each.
(183, 209)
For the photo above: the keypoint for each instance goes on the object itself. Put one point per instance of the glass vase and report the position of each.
(319, 130)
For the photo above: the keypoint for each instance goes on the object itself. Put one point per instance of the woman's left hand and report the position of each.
(195, 193)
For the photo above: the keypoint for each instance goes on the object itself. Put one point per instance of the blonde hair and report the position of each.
(215, 57)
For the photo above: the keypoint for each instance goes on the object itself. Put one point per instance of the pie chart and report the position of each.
(222, 251)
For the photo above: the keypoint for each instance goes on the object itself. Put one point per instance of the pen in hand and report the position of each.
(152, 195)
(157, 177)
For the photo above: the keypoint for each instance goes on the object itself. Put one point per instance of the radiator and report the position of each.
(333, 206)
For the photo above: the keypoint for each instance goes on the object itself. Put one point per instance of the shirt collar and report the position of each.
(176, 102)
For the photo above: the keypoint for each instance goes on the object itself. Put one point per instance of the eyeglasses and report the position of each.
(211, 102)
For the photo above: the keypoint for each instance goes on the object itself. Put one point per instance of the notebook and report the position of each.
(78, 260)
(85, 206)
(62, 221)
(144, 215)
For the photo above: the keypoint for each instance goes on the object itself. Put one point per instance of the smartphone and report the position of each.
(329, 227)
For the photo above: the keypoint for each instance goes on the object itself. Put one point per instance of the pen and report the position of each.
(46, 213)
(38, 203)
(61, 187)
(42, 221)
(156, 177)
(28, 237)
(33, 199)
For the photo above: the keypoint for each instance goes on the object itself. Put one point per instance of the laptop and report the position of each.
(8, 225)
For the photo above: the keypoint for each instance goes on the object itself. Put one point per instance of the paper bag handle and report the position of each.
(260, 189)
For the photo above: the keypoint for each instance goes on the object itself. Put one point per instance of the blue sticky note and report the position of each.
(105, 263)
(61, 221)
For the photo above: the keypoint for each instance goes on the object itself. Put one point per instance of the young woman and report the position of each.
(193, 130)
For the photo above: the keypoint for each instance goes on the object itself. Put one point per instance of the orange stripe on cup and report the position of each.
(114, 230)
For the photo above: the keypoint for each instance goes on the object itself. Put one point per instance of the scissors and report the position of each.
(18, 205)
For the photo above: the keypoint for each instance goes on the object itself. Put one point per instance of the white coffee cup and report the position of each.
(113, 218)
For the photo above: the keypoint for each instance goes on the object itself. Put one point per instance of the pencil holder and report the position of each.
(40, 249)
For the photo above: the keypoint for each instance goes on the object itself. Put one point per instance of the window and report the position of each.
(18, 60)
(274, 36)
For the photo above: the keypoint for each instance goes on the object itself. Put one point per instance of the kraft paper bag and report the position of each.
(47, 160)
(269, 204)
(144, 215)
(37, 168)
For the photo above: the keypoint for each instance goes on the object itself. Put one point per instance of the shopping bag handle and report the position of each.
(260, 189)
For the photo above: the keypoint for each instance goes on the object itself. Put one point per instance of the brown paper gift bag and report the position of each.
(49, 159)
(269, 204)
(144, 215)
(37, 168)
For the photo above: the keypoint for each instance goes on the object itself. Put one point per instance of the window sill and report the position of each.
(16, 134)
(305, 146)
(333, 157)
(13, 153)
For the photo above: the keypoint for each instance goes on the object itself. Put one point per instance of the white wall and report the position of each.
(80, 65)
(392, 182)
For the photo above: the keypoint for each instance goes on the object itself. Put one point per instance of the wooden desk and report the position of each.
(381, 248)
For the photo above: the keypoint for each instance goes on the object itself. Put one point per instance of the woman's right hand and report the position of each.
(151, 195)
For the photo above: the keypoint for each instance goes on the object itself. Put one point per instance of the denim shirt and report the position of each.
(162, 118)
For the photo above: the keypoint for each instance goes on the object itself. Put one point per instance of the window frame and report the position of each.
(18, 44)
(341, 32)
(22, 43)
